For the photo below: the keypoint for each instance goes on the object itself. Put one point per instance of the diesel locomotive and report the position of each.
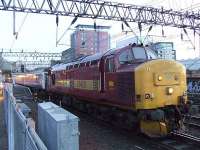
(130, 82)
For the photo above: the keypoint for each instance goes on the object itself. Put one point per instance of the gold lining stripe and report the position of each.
(79, 84)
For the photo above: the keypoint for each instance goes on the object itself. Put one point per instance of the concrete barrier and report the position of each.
(57, 127)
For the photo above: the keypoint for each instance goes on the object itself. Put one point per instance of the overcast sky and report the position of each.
(38, 32)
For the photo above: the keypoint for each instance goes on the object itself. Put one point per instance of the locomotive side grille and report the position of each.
(96, 84)
(125, 86)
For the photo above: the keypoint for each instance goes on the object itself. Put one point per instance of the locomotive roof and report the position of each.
(96, 56)
(92, 57)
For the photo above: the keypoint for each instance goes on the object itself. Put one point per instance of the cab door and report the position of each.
(110, 78)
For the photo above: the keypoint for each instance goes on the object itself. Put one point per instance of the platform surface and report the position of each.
(3, 133)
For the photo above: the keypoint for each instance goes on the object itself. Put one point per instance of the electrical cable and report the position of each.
(20, 28)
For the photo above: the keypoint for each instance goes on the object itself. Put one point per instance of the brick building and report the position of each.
(86, 40)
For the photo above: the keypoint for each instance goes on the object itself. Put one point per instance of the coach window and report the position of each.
(88, 64)
(82, 65)
(110, 66)
(76, 65)
(94, 62)
(71, 66)
(49, 72)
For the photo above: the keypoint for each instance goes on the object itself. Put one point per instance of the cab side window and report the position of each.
(125, 57)
(139, 53)
(110, 65)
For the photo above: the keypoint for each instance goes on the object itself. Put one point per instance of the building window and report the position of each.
(83, 39)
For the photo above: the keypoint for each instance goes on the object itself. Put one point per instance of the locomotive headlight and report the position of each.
(160, 78)
(170, 90)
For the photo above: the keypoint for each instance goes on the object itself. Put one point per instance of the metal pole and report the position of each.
(199, 45)
(14, 31)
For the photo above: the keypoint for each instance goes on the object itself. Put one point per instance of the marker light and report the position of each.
(160, 78)
(170, 90)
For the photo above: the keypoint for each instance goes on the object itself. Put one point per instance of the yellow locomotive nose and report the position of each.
(159, 83)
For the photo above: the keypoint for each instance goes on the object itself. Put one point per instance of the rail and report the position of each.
(186, 136)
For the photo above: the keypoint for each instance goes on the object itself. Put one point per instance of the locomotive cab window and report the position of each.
(139, 53)
(151, 54)
(126, 57)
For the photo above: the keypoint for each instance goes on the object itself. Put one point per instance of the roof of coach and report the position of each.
(58, 67)
(96, 56)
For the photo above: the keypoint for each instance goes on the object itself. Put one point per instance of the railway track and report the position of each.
(192, 122)
(179, 141)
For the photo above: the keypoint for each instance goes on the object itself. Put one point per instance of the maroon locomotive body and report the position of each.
(101, 78)
(129, 82)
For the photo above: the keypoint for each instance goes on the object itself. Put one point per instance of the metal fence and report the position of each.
(21, 135)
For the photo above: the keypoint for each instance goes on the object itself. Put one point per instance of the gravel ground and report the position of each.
(3, 133)
(98, 135)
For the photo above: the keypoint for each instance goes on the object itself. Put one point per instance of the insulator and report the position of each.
(140, 26)
(122, 27)
(95, 25)
(163, 32)
(150, 28)
(181, 36)
(57, 20)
